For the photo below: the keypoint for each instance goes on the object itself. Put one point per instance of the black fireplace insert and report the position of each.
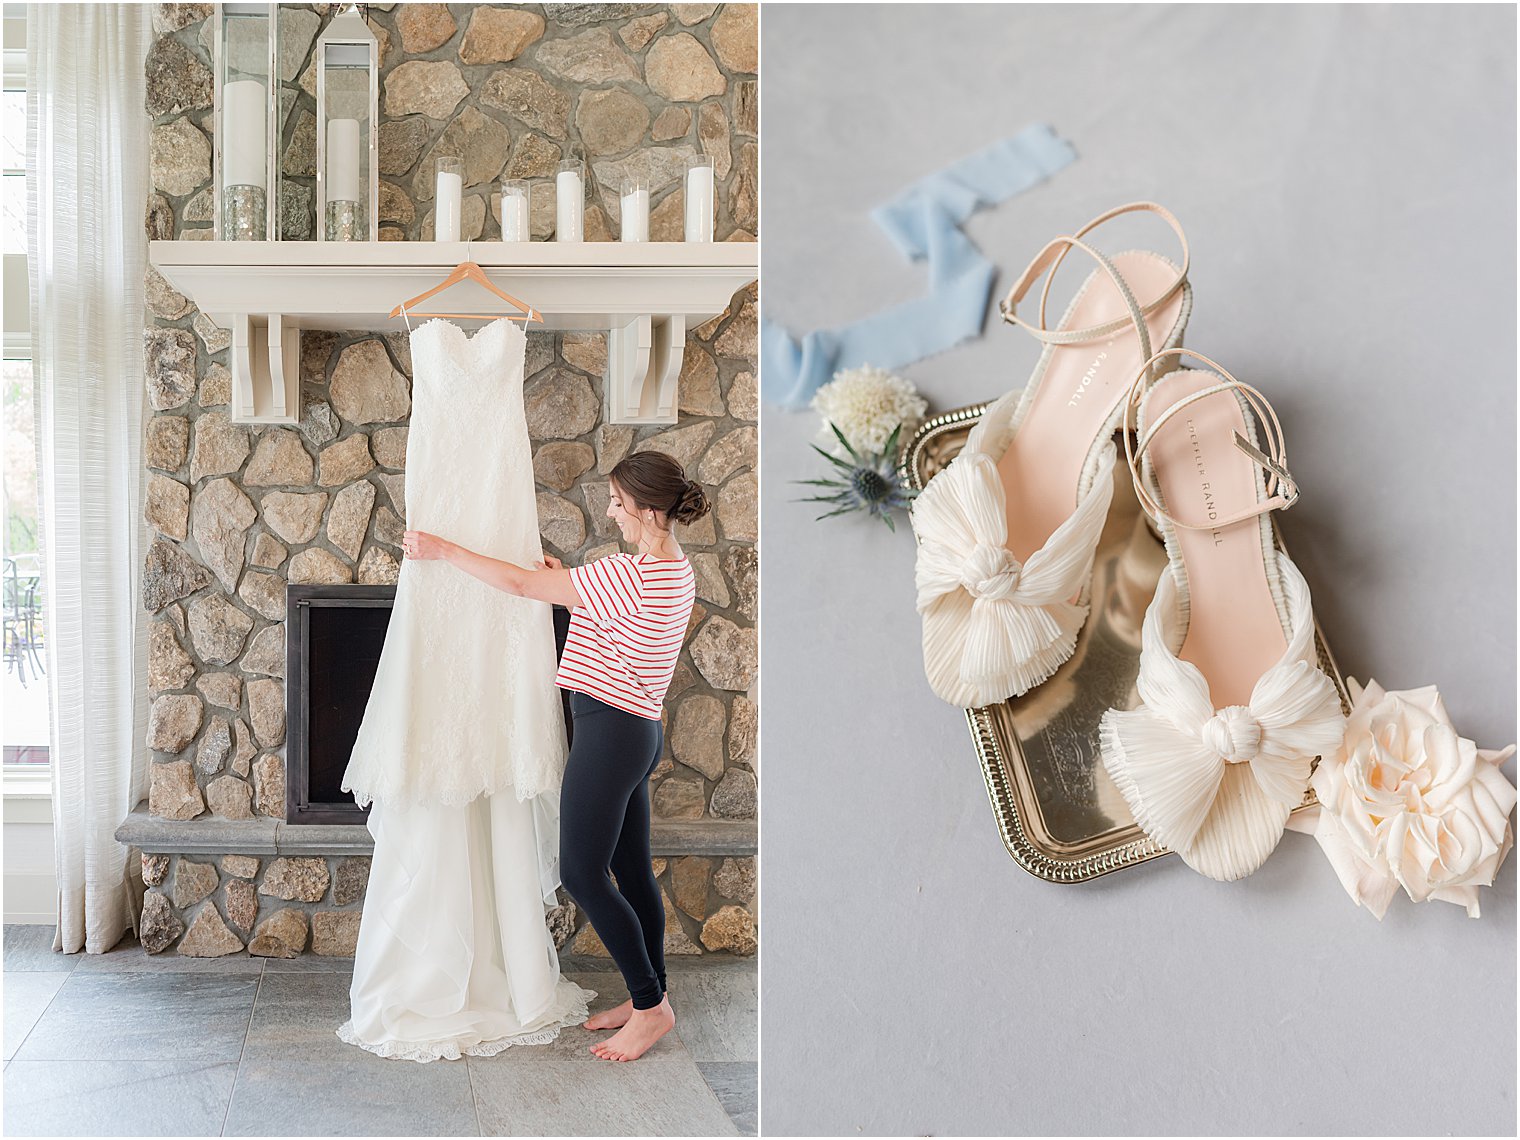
(333, 638)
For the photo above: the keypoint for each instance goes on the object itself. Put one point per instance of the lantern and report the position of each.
(245, 65)
(348, 140)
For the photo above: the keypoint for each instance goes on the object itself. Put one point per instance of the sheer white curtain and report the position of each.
(86, 190)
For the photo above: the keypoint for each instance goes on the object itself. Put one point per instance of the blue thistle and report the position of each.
(868, 483)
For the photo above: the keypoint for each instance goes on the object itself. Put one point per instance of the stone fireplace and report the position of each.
(247, 518)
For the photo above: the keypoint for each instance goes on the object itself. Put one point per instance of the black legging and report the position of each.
(604, 826)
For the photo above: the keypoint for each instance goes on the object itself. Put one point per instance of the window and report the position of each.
(25, 685)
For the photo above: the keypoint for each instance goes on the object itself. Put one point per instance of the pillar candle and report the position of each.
(635, 210)
(569, 207)
(514, 217)
(343, 160)
(244, 140)
(448, 194)
(699, 203)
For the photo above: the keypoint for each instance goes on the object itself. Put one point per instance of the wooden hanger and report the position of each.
(471, 270)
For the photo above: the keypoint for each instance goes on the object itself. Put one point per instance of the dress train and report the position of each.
(455, 895)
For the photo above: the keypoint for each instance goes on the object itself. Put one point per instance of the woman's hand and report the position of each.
(547, 581)
(419, 544)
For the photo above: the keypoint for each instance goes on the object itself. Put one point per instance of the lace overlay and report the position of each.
(572, 1006)
(464, 702)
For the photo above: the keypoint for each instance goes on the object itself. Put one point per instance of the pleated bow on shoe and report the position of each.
(994, 627)
(1216, 785)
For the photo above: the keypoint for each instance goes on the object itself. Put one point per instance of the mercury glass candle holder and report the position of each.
(345, 222)
(245, 213)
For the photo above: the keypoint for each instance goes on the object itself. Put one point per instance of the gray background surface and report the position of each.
(1347, 179)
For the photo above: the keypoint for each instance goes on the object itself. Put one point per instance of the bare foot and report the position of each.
(644, 1028)
(614, 1018)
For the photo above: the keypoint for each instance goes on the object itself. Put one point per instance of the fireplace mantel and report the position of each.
(644, 295)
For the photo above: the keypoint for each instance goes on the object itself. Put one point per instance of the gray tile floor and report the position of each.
(124, 1044)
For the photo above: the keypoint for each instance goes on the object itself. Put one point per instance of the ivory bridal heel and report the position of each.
(1007, 532)
(1235, 708)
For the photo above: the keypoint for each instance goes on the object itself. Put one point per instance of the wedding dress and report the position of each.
(462, 746)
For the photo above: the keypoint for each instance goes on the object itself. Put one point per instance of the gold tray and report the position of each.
(1060, 815)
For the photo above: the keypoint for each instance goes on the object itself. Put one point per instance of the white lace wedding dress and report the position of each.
(462, 746)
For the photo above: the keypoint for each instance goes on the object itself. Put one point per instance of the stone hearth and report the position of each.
(270, 888)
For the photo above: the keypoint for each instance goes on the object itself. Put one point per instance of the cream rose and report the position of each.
(1406, 802)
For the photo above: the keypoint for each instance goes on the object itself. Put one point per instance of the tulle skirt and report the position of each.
(453, 954)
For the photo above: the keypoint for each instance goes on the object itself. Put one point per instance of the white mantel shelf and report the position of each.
(645, 295)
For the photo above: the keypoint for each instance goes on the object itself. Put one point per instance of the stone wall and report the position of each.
(238, 511)
(209, 906)
(272, 907)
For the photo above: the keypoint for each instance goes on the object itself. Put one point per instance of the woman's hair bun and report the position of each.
(655, 481)
(692, 504)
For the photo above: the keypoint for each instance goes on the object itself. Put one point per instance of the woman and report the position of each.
(628, 618)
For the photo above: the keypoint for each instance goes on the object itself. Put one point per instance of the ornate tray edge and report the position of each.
(1025, 851)
(908, 468)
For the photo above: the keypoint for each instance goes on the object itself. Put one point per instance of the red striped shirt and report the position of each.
(626, 634)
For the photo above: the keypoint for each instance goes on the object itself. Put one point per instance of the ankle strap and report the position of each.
(1282, 491)
(1049, 259)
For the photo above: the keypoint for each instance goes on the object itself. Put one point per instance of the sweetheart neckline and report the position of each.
(468, 338)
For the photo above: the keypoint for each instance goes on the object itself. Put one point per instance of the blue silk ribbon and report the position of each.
(924, 222)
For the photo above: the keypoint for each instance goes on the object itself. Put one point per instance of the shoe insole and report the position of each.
(1081, 387)
(1234, 634)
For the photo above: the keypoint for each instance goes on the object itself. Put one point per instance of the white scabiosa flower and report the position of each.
(867, 405)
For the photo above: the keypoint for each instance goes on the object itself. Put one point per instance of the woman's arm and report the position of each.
(548, 581)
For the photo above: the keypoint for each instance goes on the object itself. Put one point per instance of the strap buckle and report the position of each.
(1282, 489)
(1286, 487)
